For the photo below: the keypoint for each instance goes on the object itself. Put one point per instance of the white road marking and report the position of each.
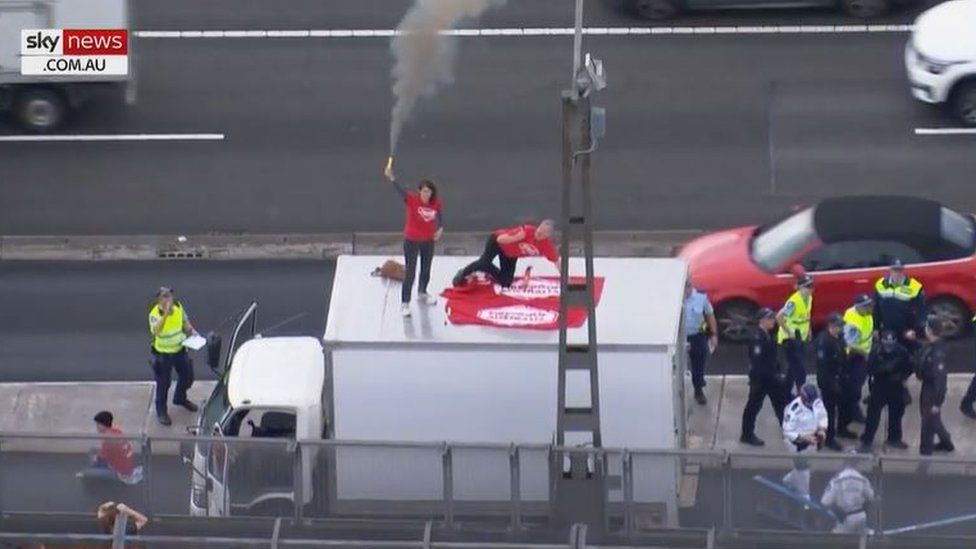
(945, 131)
(533, 31)
(118, 137)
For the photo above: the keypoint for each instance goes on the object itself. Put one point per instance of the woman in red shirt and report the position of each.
(508, 245)
(422, 227)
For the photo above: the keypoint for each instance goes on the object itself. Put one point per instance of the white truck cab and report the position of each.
(271, 388)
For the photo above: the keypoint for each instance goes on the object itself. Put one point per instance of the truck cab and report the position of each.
(268, 388)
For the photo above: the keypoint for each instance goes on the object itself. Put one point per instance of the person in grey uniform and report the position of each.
(932, 370)
(848, 495)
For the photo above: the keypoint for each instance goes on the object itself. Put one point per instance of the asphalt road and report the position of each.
(703, 132)
(76, 321)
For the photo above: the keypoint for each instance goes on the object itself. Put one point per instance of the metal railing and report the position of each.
(488, 487)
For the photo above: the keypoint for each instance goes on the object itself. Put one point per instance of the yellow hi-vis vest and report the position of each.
(865, 328)
(170, 338)
(799, 320)
(903, 292)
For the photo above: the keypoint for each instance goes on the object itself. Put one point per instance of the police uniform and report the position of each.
(899, 307)
(796, 313)
(168, 355)
(848, 495)
(969, 399)
(933, 372)
(831, 358)
(765, 380)
(802, 420)
(888, 368)
(696, 309)
(858, 334)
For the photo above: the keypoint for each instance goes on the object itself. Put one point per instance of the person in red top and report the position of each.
(422, 227)
(116, 459)
(508, 245)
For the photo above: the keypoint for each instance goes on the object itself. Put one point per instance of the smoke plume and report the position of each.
(423, 57)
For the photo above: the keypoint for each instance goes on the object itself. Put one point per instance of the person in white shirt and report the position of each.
(804, 429)
(848, 494)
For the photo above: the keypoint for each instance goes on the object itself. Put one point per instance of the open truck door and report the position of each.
(217, 467)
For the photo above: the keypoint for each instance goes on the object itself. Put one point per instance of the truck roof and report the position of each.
(277, 372)
(640, 306)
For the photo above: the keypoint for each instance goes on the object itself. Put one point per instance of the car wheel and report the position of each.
(964, 103)
(954, 315)
(736, 320)
(40, 110)
(656, 10)
(865, 8)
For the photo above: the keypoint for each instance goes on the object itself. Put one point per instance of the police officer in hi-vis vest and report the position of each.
(794, 331)
(169, 326)
(859, 336)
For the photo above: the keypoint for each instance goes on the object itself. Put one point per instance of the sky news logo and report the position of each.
(74, 52)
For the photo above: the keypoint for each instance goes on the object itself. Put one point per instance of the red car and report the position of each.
(846, 244)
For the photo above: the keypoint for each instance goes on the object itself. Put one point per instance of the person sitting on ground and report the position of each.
(116, 459)
(108, 512)
(508, 245)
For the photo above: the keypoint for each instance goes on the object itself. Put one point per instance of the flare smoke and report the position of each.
(423, 57)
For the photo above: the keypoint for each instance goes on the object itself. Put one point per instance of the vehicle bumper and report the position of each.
(925, 86)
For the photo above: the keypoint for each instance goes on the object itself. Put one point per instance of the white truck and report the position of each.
(43, 103)
(380, 378)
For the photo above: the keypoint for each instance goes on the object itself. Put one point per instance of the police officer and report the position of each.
(765, 377)
(794, 330)
(859, 335)
(831, 358)
(889, 365)
(804, 430)
(899, 305)
(970, 397)
(848, 495)
(170, 325)
(933, 372)
(699, 315)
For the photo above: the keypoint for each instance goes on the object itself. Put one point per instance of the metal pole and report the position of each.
(448, 481)
(299, 482)
(577, 43)
(515, 489)
(147, 474)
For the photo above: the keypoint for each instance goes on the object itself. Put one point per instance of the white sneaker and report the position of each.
(405, 309)
(426, 299)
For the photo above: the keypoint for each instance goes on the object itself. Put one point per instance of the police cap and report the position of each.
(863, 299)
(897, 265)
(835, 319)
(804, 281)
(765, 312)
(809, 392)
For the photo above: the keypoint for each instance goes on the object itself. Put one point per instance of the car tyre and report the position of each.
(40, 110)
(964, 103)
(953, 313)
(736, 320)
(865, 9)
(655, 10)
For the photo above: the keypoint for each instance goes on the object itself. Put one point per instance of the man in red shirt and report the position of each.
(116, 459)
(508, 245)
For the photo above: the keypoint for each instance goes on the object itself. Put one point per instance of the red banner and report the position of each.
(532, 305)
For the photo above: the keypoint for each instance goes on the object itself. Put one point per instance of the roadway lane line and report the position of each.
(945, 131)
(534, 31)
(117, 137)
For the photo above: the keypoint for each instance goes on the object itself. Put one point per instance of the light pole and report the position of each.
(579, 489)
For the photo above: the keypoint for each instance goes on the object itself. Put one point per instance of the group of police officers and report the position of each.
(881, 340)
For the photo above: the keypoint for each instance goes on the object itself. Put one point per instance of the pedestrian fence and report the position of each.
(702, 496)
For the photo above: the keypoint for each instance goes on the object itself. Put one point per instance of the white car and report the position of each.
(941, 58)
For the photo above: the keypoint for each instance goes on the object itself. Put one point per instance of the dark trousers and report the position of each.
(504, 274)
(890, 395)
(697, 354)
(411, 249)
(851, 382)
(796, 374)
(760, 388)
(830, 395)
(163, 366)
(931, 426)
(970, 397)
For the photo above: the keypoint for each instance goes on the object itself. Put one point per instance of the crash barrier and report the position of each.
(493, 488)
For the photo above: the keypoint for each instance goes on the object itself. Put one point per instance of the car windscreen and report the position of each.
(958, 230)
(776, 244)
